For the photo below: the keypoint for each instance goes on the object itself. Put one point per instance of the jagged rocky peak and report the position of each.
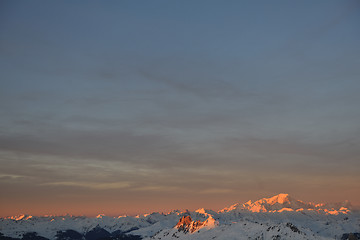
(184, 223)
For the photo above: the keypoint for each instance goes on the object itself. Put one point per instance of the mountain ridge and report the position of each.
(276, 203)
(267, 218)
(285, 202)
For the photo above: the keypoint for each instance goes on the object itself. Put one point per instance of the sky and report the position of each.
(129, 107)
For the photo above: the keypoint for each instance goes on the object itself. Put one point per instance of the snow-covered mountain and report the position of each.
(277, 217)
(283, 202)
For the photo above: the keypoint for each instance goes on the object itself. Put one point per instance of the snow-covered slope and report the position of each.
(277, 217)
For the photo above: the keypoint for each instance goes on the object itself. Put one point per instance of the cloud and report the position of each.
(216, 191)
(158, 189)
(199, 78)
(10, 177)
(86, 144)
(160, 152)
(90, 185)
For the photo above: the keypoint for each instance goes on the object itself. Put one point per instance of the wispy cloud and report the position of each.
(157, 189)
(196, 83)
(11, 177)
(91, 185)
(217, 191)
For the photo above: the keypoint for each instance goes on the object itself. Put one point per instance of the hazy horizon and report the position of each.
(134, 107)
(166, 211)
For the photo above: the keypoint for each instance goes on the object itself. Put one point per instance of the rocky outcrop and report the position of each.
(187, 225)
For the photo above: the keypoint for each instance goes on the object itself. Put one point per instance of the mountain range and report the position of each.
(277, 217)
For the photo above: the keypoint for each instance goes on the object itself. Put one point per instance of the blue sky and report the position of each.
(182, 103)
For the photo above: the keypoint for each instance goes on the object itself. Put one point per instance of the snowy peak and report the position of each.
(280, 198)
(204, 213)
(201, 211)
(284, 202)
(280, 202)
(275, 203)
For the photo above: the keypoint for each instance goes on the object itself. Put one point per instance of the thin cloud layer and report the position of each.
(111, 106)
